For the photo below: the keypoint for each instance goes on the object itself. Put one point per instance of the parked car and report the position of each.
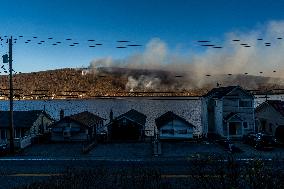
(260, 141)
(249, 138)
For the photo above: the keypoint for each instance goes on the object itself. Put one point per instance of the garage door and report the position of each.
(125, 132)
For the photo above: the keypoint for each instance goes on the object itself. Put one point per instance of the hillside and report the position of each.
(84, 83)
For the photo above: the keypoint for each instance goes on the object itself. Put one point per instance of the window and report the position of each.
(124, 122)
(270, 127)
(168, 131)
(75, 129)
(3, 134)
(57, 129)
(245, 103)
(66, 132)
(183, 131)
(245, 125)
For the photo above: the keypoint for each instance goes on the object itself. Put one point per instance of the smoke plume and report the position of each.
(261, 56)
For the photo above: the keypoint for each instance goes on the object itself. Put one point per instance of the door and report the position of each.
(262, 125)
(235, 128)
(232, 128)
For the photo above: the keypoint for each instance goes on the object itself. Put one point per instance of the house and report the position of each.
(227, 112)
(79, 127)
(270, 118)
(27, 125)
(172, 126)
(129, 126)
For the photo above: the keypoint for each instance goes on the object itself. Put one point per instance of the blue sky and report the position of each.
(179, 23)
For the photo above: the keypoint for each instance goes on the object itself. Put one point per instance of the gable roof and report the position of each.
(135, 116)
(86, 119)
(220, 92)
(232, 115)
(21, 119)
(278, 105)
(168, 117)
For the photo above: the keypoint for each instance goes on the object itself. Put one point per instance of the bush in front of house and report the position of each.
(227, 172)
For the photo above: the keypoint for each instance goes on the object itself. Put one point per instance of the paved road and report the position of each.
(22, 171)
(40, 161)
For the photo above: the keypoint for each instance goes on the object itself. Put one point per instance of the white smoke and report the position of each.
(233, 58)
(102, 63)
(131, 84)
(143, 82)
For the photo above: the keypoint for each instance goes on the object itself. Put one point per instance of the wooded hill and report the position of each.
(87, 83)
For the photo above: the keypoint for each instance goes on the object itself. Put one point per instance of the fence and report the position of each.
(23, 142)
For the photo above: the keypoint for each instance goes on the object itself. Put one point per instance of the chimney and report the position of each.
(61, 114)
(111, 116)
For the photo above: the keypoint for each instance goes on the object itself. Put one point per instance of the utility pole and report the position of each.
(12, 146)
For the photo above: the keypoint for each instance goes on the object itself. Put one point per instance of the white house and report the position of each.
(172, 126)
(227, 112)
(27, 124)
(270, 118)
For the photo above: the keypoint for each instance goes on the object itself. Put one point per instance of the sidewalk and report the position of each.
(140, 152)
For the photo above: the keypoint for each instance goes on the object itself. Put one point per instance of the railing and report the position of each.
(23, 142)
(3, 141)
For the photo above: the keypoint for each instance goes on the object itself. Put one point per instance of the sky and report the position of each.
(177, 23)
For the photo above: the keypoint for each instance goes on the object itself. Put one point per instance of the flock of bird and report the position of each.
(91, 43)
(206, 43)
(120, 44)
(69, 41)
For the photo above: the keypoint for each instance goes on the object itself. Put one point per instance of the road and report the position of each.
(15, 172)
